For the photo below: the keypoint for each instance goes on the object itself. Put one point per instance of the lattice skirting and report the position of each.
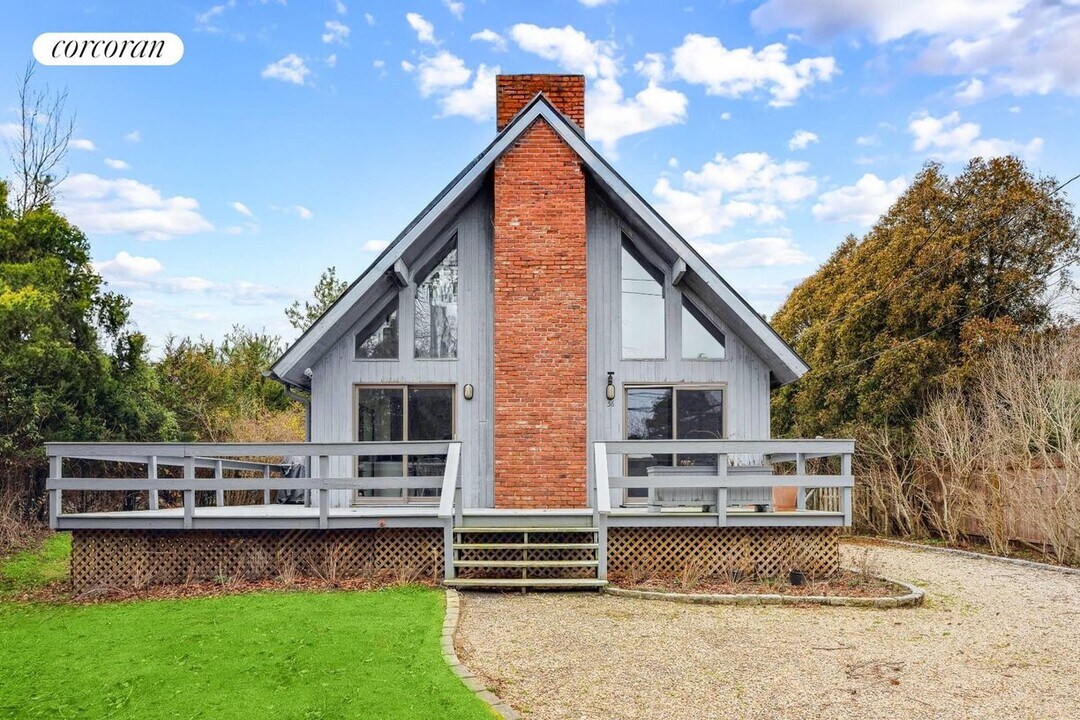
(137, 558)
(762, 552)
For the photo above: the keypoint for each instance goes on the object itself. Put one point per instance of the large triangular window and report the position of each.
(436, 309)
(701, 339)
(379, 339)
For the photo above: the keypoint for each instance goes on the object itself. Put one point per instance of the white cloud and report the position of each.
(301, 212)
(969, 90)
(331, 60)
(497, 41)
(375, 245)
(569, 47)
(746, 187)
(703, 60)
(611, 115)
(205, 21)
(801, 140)
(336, 32)
(827, 19)
(862, 203)
(291, 69)
(241, 208)
(425, 31)
(754, 252)
(868, 141)
(948, 138)
(134, 136)
(476, 101)
(369, 19)
(10, 131)
(1021, 46)
(128, 267)
(595, 3)
(100, 205)
(725, 116)
(340, 8)
(117, 164)
(440, 73)
(673, 162)
(81, 144)
(456, 8)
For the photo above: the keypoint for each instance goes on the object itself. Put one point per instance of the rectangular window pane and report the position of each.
(642, 307)
(431, 417)
(381, 419)
(436, 307)
(648, 417)
(700, 416)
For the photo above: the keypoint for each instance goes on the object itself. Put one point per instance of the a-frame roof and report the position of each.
(782, 360)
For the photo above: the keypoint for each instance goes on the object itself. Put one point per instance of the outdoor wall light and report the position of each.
(610, 390)
(467, 391)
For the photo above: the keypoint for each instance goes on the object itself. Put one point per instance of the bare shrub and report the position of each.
(691, 574)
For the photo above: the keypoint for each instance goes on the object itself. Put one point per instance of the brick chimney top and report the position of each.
(565, 92)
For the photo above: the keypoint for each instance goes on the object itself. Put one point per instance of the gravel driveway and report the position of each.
(992, 641)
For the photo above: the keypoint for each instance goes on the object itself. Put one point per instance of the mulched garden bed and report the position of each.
(843, 584)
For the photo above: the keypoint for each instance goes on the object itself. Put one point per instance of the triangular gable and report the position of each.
(782, 360)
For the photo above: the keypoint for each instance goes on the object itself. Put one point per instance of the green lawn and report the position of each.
(271, 654)
(31, 569)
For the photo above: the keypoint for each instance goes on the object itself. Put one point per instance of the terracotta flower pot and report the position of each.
(785, 498)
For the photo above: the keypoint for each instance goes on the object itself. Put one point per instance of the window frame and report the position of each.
(434, 258)
(404, 498)
(675, 387)
(648, 261)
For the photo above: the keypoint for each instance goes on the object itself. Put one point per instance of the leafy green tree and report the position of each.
(70, 369)
(213, 388)
(327, 290)
(894, 315)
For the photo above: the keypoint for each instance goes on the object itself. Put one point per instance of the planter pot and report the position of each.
(797, 577)
(785, 498)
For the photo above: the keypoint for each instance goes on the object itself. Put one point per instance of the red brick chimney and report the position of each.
(540, 300)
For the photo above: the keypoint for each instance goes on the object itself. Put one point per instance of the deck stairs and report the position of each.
(526, 555)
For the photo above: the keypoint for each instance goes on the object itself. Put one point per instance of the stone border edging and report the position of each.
(1020, 562)
(450, 624)
(914, 597)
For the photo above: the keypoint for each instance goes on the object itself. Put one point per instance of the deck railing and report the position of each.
(224, 459)
(826, 491)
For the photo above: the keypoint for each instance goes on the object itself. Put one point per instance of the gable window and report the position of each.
(701, 340)
(379, 340)
(642, 306)
(403, 412)
(436, 310)
(671, 412)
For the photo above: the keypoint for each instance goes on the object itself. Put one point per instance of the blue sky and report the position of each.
(298, 135)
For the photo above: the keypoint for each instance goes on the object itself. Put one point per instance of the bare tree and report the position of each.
(41, 144)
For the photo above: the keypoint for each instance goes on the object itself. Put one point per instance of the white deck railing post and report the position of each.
(266, 491)
(450, 510)
(845, 470)
(721, 490)
(219, 495)
(800, 471)
(324, 492)
(189, 492)
(56, 498)
(601, 507)
(152, 474)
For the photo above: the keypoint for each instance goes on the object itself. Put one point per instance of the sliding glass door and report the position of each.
(671, 412)
(390, 413)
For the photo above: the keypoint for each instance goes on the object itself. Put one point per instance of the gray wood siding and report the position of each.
(744, 375)
(337, 372)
